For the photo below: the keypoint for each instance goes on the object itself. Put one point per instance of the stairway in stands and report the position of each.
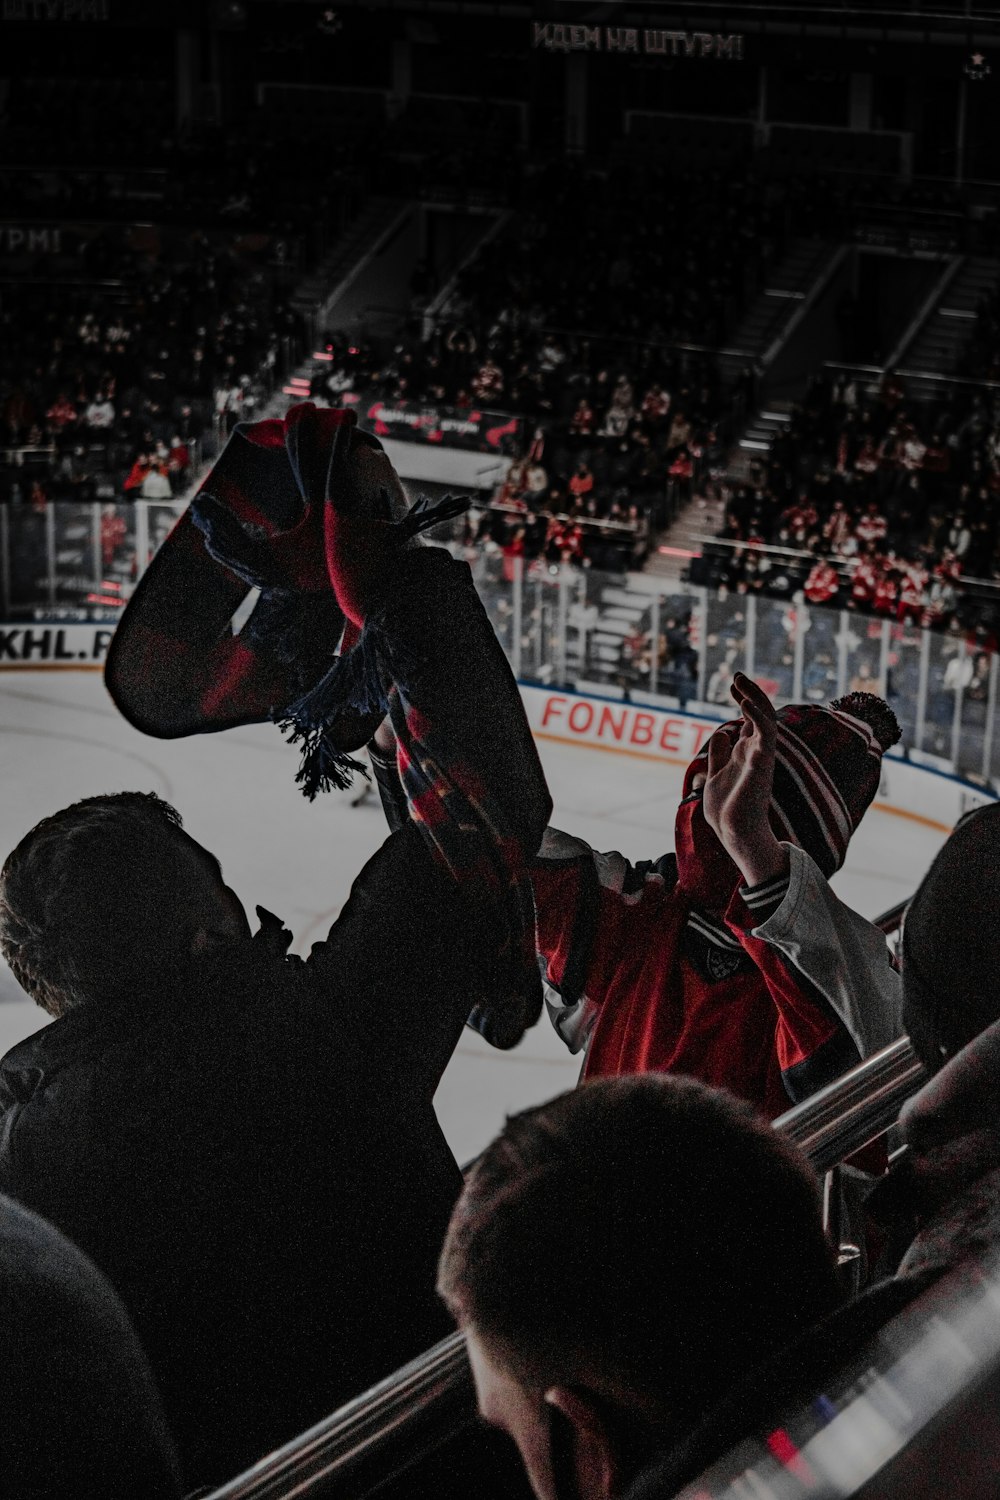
(804, 264)
(620, 611)
(939, 344)
(319, 292)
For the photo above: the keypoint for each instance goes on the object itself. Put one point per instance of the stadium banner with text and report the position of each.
(444, 426)
(557, 36)
(653, 733)
(47, 645)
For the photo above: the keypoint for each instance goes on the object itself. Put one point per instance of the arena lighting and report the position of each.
(321, 354)
(677, 552)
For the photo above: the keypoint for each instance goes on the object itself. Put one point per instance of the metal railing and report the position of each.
(855, 1110)
(565, 626)
(908, 1414)
(386, 1430)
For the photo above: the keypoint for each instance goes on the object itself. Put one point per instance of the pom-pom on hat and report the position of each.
(259, 521)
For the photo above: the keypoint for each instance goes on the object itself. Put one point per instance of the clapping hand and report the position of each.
(737, 793)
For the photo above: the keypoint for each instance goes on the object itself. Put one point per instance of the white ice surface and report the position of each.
(62, 739)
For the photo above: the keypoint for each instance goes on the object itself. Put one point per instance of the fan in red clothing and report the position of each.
(912, 593)
(582, 421)
(801, 520)
(581, 484)
(864, 582)
(886, 589)
(867, 460)
(838, 527)
(872, 525)
(823, 582)
(564, 540)
(726, 960)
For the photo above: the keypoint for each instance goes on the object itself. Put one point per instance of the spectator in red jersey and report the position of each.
(867, 459)
(488, 381)
(136, 475)
(886, 590)
(62, 413)
(912, 594)
(582, 421)
(864, 581)
(113, 533)
(563, 540)
(823, 583)
(872, 526)
(837, 528)
(681, 474)
(655, 406)
(668, 965)
(581, 484)
(801, 520)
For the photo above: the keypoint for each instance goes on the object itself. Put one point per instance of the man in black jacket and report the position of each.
(246, 1143)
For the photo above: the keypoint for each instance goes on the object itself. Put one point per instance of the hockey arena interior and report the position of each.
(564, 442)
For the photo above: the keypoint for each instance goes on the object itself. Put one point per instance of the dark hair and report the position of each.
(93, 902)
(949, 947)
(647, 1236)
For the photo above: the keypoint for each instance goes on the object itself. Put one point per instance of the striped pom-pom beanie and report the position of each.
(828, 764)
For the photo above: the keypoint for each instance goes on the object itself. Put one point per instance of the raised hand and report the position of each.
(738, 786)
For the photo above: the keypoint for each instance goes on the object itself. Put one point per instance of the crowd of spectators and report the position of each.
(107, 388)
(873, 500)
(580, 336)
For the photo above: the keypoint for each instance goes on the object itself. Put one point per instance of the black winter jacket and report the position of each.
(256, 1165)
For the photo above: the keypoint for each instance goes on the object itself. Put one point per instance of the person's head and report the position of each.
(827, 770)
(109, 900)
(617, 1258)
(949, 944)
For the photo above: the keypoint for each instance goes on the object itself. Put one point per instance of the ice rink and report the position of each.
(62, 740)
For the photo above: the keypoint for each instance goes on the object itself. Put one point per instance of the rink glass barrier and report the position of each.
(616, 634)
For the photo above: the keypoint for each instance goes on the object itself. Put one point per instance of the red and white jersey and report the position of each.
(872, 527)
(822, 583)
(864, 581)
(886, 594)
